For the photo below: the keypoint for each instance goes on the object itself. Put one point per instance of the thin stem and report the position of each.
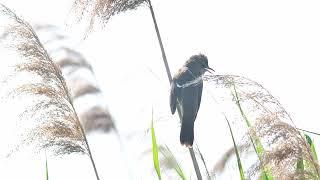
(195, 163)
(309, 131)
(164, 57)
(236, 151)
(89, 151)
(69, 99)
(204, 162)
(61, 80)
(85, 140)
(254, 140)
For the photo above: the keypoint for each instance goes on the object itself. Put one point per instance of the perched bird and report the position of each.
(186, 91)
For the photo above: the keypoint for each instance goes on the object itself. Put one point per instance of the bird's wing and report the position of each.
(175, 90)
(173, 97)
(200, 93)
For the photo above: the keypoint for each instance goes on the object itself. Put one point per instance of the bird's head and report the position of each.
(198, 64)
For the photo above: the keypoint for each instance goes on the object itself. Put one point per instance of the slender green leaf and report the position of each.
(313, 163)
(47, 169)
(313, 149)
(173, 161)
(242, 177)
(204, 163)
(155, 152)
(257, 145)
(300, 165)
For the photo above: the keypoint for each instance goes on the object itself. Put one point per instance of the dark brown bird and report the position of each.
(186, 91)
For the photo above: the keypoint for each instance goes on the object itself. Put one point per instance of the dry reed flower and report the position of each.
(266, 121)
(34, 93)
(79, 76)
(101, 10)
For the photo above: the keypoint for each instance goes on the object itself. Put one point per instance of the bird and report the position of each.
(185, 94)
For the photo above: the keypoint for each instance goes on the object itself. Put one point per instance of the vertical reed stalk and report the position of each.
(191, 151)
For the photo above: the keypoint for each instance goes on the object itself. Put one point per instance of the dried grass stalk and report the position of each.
(73, 65)
(283, 145)
(101, 10)
(98, 115)
(45, 117)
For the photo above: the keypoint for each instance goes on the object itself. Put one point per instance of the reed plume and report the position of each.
(80, 78)
(34, 95)
(101, 10)
(283, 145)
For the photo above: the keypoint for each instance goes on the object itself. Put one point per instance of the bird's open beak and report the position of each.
(210, 70)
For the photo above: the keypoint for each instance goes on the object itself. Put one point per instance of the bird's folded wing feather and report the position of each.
(173, 97)
(177, 82)
(200, 94)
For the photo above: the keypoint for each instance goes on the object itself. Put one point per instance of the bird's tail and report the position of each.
(186, 133)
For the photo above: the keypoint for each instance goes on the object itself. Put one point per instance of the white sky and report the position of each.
(275, 43)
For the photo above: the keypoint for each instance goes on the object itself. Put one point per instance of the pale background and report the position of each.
(275, 43)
